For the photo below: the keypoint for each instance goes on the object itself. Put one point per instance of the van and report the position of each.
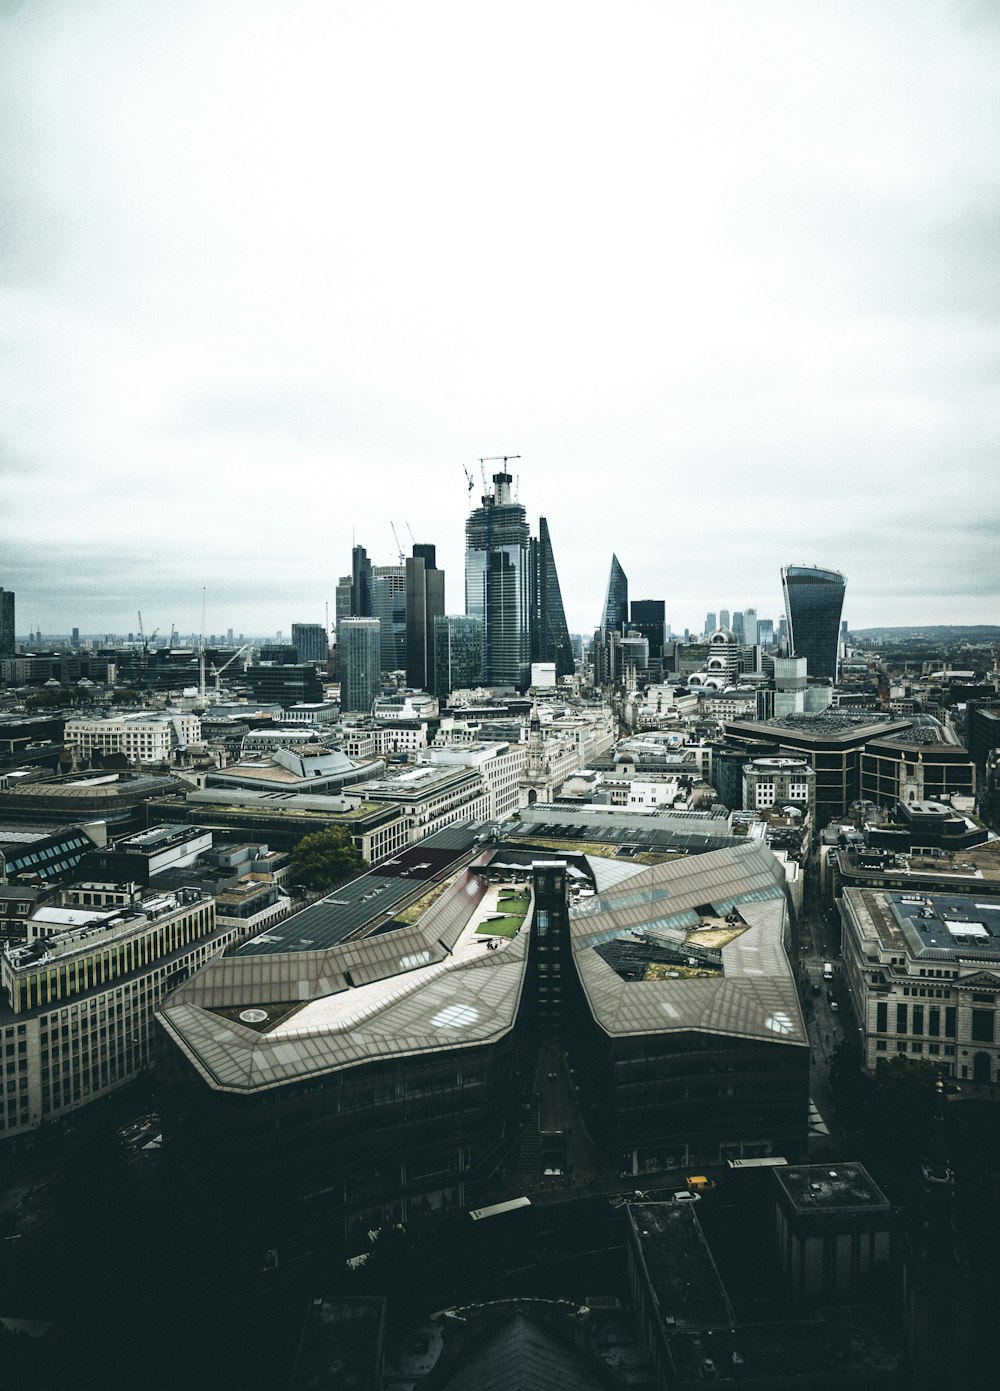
(698, 1183)
(828, 970)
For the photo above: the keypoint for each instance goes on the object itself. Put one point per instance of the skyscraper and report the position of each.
(6, 623)
(497, 584)
(310, 642)
(723, 619)
(814, 599)
(750, 633)
(360, 664)
(739, 630)
(424, 603)
(711, 623)
(615, 614)
(458, 654)
(649, 616)
(361, 583)
(549, 631)
(389, 607)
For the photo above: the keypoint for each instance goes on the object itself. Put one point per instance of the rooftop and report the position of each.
(720, 919)
(830, 1187)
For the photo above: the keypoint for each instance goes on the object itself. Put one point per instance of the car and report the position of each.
(698, 1183)
(683, 1196)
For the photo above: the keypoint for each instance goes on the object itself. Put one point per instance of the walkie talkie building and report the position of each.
(814, 599)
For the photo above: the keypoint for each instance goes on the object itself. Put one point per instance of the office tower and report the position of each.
(75, 638)
(549, 631)
(458, 654)
(710, 624)
(723, 618)
(342, 599)
(424, 603)
(361, 583)
(750, 636)
(360, 664)
(814, 599)
(615, 614)
(6, 623)
(739, 628)
(497, 586)
(765, 632)
(389, 607)
(309, 641)
(844, 635)
(649, 616)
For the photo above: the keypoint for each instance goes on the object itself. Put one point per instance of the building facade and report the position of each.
(77, 1021)
(923, 975)
(498, 584)
(140, 738)
(424, 604)
(360, 664)
(458, 654)
(814, 600)
(549, 632)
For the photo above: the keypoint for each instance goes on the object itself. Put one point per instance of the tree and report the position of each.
(325, 859)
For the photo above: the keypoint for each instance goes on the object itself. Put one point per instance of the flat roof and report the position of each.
(367, 899)
(830, 1187)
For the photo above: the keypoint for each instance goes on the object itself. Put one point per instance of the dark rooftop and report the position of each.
(830, 1187)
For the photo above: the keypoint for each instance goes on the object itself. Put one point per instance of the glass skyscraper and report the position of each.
(549, 632)
(814, 599)
(360, 664)
(497, 584)
(458, 654)
(615, 614)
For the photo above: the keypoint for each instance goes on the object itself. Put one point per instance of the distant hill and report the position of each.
(934, 632)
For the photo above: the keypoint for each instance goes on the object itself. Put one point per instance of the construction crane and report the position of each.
(468, 478)
(217, 673)
(498, 458)
(395, 537)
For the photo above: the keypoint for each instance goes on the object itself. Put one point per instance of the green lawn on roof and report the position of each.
(500, 927)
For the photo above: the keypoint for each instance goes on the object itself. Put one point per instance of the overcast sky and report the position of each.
(725, 275)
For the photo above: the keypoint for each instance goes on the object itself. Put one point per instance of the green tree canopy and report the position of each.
(325, 859)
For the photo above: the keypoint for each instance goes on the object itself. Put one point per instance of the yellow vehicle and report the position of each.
(698, 1183)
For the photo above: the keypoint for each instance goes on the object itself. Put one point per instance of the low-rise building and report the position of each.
(923, 974)
(75, 1020)
(144, 739)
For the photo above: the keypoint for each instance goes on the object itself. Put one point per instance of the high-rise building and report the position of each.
(814, 599)
(458, 654)
(723, 619)
(424, 603)
(389, 607)
(361, 583)
(310, 642)
(497, 584)
(549, 631)
(710, 624)
(6, 623)
(739, 628)
(649, 616)
(750, 634)
(765, 632)
(615, 614)
(360, 664)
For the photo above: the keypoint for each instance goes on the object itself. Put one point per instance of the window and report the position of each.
(882, 1017)
(918, 1019)
(934, 1021)
(900, 1019)
(951, 1021)
(982, 1025)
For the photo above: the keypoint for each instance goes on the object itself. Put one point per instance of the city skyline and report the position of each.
(723, 278)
